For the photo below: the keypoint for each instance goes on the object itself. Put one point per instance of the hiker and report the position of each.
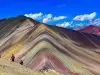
(21, 62)
(0, 55)
(13, 58)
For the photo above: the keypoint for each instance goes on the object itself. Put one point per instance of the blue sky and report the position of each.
(69, 9)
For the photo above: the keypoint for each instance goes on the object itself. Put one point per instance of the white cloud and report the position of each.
(34, 16)
(96, 22)
(50, 18)
(65, 24)
(59, 18)
(47, 18)
(85, 17)
(79, 26)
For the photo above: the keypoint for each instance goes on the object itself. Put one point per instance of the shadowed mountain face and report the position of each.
(91, 29)
(49, 47)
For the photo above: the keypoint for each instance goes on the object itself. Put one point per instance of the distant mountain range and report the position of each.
(91, 30)
(42, 46)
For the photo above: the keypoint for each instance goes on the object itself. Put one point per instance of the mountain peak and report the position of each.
(91, 29)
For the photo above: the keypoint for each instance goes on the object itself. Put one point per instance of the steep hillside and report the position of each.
(41, 46)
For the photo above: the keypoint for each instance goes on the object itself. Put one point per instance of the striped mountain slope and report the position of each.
(41, 46)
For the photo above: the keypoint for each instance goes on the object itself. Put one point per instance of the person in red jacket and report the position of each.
(13, 58)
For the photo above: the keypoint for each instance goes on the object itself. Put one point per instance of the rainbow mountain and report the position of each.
(66, 51)
(91, 29)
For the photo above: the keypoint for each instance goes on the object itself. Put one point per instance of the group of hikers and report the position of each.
(41, 70)
(13, 59)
